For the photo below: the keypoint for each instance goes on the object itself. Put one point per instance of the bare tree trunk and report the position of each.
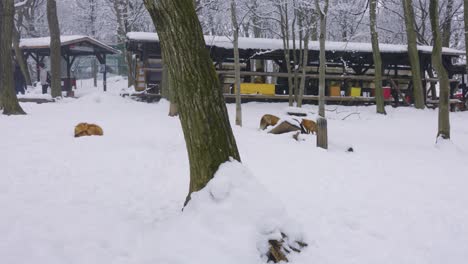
(444, 122)
(55, 49)
(413, 54)
(121, 13)
(284, 25)
(323, 60)
(93, 16)
(257, 32)
(296, 60)
(236, 63)
(8, 100)
(305, 60)
(18, 53)
(447, 24)
(203, 114)
(20, 58)
(379, 100)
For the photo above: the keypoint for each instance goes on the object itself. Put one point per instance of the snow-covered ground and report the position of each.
(398, 198)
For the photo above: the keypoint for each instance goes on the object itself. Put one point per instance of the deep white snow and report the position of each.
(398, 198)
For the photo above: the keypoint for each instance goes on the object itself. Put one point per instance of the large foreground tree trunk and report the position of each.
(167, 90)
(8, 100)
(203, 114)
(413, 54)
(379, 99)
(444, 122)
(55, 52)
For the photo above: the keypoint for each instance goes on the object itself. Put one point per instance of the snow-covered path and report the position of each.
(397, 198)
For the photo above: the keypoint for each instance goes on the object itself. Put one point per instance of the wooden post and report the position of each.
(322, 133)
(104, 76)
(37, 59)
(67, 84)
(423, 76)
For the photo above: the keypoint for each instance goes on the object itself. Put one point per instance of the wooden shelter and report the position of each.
(71, 48)
(349, 65)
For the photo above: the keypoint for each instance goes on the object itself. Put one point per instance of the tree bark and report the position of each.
(447, 24)
(305, 60)
(379, 100)
(296, 60)
(323, 61)
(20, 59)
(413, 54)
(9, 101)
(444, 122)
(92, 22)
(203, 114)
(235, 26)
(167, 90)
(284, 26)
(55, 49)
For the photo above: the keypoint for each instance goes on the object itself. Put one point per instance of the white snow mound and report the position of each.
(231, 219)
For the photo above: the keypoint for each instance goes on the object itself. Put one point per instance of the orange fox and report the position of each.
(85, 129)
(309, 126)
(268, 120)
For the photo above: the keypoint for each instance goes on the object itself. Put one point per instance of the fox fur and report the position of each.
(309, 126)
(85, 129)
(268, 120)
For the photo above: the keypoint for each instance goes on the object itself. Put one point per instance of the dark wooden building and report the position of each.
(349, 67)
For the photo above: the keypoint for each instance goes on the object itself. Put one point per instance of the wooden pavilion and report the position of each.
(71, 48)
(349, 65)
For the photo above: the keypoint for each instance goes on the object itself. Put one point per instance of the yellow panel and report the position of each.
(258, 88)
(355, 91)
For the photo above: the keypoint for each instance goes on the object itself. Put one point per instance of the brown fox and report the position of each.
(309, 126)
(268, 120)
(85, 129)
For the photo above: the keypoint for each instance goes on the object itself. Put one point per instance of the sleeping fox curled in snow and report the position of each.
(268, 120)
(85, 129)
(308, 126)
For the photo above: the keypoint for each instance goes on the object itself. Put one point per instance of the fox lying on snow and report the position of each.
(268, 120)
(307, 126)
(85, 129)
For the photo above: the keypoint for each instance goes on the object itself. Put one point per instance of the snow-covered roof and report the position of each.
(44, 42)
(277, 44)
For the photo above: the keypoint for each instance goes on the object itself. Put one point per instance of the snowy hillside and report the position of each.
(398, 198)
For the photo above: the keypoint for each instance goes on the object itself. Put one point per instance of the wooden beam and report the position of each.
(315, 76)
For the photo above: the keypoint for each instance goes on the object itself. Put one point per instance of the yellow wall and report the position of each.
(257, 88)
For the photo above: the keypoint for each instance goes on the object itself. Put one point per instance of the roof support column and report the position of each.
(68, 82)
(104, 75)
(102, 60)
